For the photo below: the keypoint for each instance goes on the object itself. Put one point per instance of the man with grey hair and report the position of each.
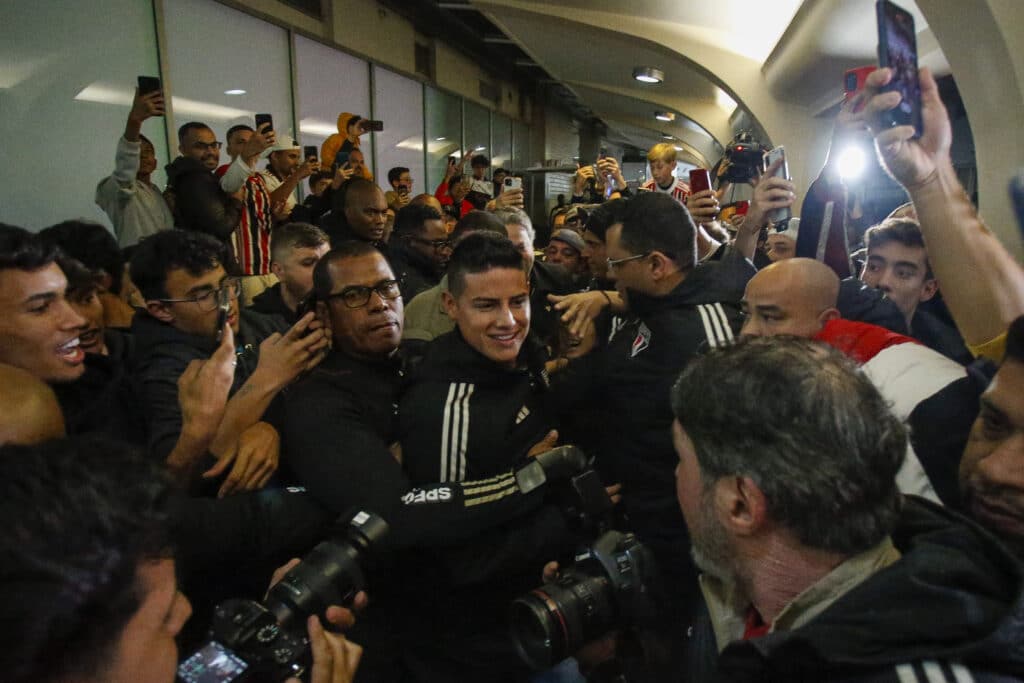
(814, 567)
(545, 279)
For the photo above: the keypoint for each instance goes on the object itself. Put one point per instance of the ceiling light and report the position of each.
(664, 116)
(234, 91)
(441, 139)
(852, 162)
(678, 148)
(479, 149)
(648, 74)
(723, 100)
(666, 136)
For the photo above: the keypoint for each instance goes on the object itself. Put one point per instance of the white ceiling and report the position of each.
(820, 40)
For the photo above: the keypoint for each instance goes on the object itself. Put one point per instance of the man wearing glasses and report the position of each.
(182, 277)
(419, 249)
(193, 191)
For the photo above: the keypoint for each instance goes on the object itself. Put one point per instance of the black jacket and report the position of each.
(414, 271)
(198, 202)
(270, 302)
(338, 425)
(934, 333)
(162, 353)
(545, 321)
(627, 385)
(954, 599)
(465, 417)
(105, 399)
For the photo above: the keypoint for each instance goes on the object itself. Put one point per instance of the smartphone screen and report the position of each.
(148, 84)
(783, 214)
(373, 126)
(700, 180)
(213, 663)
(264, 118)
(309, 151)
(897, 49)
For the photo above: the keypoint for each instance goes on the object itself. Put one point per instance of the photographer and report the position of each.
(400, 193)
(89, 588)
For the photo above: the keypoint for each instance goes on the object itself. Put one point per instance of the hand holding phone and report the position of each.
(897, 50)
(262, 119)
(513, 183)
(777, 166)
(148, 101)
(700, 180)
(309, 152)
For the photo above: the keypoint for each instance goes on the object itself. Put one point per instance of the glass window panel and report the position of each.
(329, 82)
(65, 92)
(478, 130)
(444, 133)
(501, 141)
(213, 50)
(521, 146)
(398, 102)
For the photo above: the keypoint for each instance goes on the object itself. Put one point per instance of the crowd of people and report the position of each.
(826, 462)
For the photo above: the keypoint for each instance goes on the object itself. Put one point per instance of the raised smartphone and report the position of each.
(897, 50)
(783, 214)
(264, 118)
(700, 180)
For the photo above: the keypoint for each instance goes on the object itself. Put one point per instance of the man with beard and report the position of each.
(813, 565)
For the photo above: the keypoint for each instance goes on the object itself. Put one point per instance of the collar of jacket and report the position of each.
(450, 357)
(955, 594)
(684, 294)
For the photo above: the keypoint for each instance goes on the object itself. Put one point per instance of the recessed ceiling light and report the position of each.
(648, 74)
(664, 116)
(441, 139)
(479, 149)
(234, 91)
(666, 136)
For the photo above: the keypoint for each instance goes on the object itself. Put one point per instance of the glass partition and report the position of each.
(478, 131)
(501, 141)
(330, 82)
(398, 102)
(226, 66)
(444, 133)
(65, 92)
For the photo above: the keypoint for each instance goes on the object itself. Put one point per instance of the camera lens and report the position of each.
(552, 622)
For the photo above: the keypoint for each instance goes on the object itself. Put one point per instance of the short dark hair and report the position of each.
(69, 580)
(82, 281)
(478, 221)
(295, 236)
(479, 160)
(903, 231)
(167, 250)
(322, 283)
(92, 244)
(478, 253)
(24, 250)
(807, 426)
(396, 173)
(316, 176)
(653, 221)
(191, 125)
(339, 200)
(604, 216)
(234, 129)
(410, 219)
(1015, 340)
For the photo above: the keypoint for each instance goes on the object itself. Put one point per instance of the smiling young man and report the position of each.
(475, 404)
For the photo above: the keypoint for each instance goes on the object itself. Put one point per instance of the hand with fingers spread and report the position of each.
(770, 193)
(911, 161)
(283, 357)
(703, 206)
(253, 460)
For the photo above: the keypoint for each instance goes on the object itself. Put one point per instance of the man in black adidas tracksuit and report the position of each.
(338, 440)
(675, 310)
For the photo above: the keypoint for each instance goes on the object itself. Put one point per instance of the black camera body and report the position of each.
(608, 587)
(252, 641)
(745, 155)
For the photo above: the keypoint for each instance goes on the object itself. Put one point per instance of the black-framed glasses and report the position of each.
(207, 301)
(436, 245)
(207, 146)
(358, 296)
(614, 263)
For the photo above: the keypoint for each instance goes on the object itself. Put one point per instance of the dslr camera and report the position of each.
(252, 641)
(745, 156)
(606, 588)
